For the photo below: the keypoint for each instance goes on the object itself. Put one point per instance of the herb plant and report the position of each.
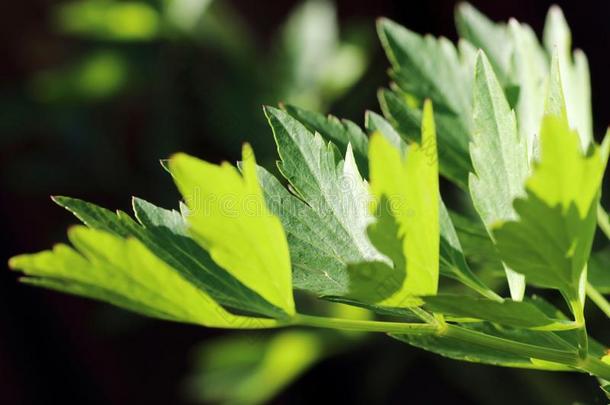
(362, 221)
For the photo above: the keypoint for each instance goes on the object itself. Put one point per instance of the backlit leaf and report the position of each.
(229, 218)
(406, 201)
(551, 241)
(125, 273)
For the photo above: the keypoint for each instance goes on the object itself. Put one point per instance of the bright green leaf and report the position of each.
(229, 218)
(405, 189)
(551, 241)
(125, 273)
(164, 233)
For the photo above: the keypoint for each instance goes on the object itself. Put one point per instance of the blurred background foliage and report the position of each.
(95, 92)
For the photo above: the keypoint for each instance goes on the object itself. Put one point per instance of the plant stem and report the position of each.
(441, 329)
(365, 326)
(595, 367)
(599, 300)
(579, 317)
(602, 220)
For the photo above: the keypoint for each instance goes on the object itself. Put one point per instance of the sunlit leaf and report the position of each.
(499, 156)
(551, 241)
(164, 232)
(125, 273)
(406, 230)
(229, 218)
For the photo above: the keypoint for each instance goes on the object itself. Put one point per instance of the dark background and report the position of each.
(61, 349)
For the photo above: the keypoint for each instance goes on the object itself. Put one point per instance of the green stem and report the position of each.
(579, 318)
(595, 367)
(441, 329)
(365, 326)
(599, 300)
(602, 220)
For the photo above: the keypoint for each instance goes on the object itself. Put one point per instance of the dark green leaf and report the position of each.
(466, 351)
(453, 155)
(511, 313)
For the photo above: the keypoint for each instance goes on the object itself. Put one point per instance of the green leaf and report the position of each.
(466, 351)
(476, 242)
(406, 201)
(378, 281)
(426, 67)
(93, 216)
(555, 103)
(484, 34)
(164, 232)
(125, 273)
(340, 132)
(499, 157)
(330, 186)
(328, 277)
(229, 218)
(574, 74)
(318, 257)
(529, 70)
(453, 155)
(404, 314)
(510, 313)
(551, 241)
(243, 370)
(452, 261)
(376, 123)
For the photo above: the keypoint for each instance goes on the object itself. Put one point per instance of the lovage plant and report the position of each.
(362, 221)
